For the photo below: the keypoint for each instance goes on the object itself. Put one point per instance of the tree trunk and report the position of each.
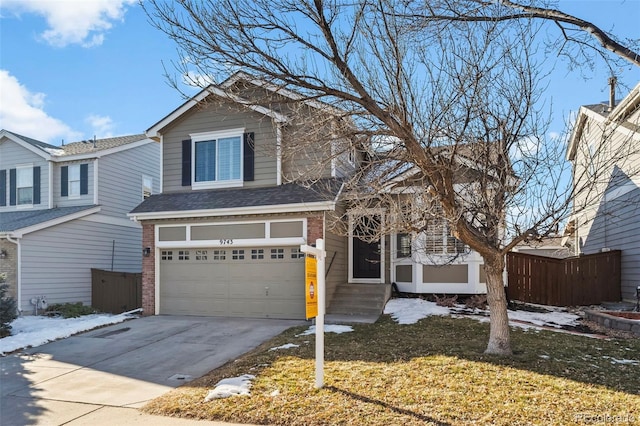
(499, 338)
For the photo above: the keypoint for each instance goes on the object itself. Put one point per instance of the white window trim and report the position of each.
(29, 205)
(208, 136)
(71, 196)
(150, 178)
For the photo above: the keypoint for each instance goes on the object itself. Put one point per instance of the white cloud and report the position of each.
(22, 111)
(101, 126)
(82, 22)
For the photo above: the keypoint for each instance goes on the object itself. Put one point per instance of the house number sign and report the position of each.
(226, 241)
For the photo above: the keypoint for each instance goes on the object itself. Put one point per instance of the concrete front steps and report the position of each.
(359, 299)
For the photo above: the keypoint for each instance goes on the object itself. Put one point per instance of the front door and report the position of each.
(366, 248)
(366, 259)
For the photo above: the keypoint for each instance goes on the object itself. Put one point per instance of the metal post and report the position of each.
(320, 317)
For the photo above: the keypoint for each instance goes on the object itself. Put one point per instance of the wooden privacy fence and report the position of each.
(581, 280)
(115, 292)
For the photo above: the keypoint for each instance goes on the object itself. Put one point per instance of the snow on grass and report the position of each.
(328, 328)
(410, 311)
(233, 386)
(285, 346)
(32, 331)
(622, 361)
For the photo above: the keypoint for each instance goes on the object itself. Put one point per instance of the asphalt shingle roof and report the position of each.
(84, 147)
(290, 193)
(81, 147)
(14, 220)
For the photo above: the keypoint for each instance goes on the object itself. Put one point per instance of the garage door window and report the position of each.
(237, 254)
(183, 255)
(257, 254)
(277, 253)
(296, 253)
(201, 255)
(219, 254)
(167, 255)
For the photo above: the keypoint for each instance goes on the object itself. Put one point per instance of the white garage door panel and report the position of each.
(232, 283)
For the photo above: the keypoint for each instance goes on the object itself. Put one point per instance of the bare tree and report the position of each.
(444, 111)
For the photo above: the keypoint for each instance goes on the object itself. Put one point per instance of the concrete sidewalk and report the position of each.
(102, 376)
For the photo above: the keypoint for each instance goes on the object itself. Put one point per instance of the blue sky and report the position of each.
(72, 69)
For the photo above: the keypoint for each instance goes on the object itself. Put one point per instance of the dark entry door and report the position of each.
(366, 259)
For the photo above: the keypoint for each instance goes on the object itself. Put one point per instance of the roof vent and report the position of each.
(612, 93)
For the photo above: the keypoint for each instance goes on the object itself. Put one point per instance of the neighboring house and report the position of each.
(224, 235)
(63, 211)
(550, 246)
(607, 216)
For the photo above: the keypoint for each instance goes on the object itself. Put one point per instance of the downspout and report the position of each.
(18, 270)
(278, 154)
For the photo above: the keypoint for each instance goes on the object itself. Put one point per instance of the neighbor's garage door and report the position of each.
(239, 282)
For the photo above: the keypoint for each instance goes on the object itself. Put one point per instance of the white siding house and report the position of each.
(63, 211)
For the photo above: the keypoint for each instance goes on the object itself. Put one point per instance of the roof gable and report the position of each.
(38, 147)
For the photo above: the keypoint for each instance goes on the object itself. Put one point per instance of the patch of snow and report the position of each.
(622, 361)
(55, 152)
(328, 328)
(275, 393)
(285, 346)
(233, 386)
(544, 356)
(554, 319)
(410, 311)
(32, 331)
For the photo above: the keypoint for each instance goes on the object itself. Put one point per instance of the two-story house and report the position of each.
(604, 150)
(224, 234)
(63, 211)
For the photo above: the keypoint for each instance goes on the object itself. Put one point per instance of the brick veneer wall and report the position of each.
(315, 229)
(149, 270)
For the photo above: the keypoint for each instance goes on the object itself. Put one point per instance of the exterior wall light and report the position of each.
(146, 252)
(3, 254)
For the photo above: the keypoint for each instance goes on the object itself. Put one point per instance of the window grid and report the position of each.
(296, 253)
(237, 254)
(201, 255)
(277, 253)
(219, 254)
(167, 255)
(257, 254)
(183, 255)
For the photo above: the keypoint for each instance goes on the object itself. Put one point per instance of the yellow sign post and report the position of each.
(315, 299)
(311, 286)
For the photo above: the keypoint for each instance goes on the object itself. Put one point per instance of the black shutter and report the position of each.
(249, 156)
(84, 179)
(186, 162)
(36, 185)
(12, 187)
(3, 187)
(64, 181)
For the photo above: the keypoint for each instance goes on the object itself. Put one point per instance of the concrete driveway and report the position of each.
(80, 379)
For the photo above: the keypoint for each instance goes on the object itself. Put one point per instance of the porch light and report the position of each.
(3, 254)
(146, 252)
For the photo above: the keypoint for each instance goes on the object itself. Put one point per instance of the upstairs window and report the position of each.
(217, 159)
(74, 180)
(147, 187)
(24, 185)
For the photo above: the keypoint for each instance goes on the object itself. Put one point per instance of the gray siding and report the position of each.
(12, 155)
(216, 117)
(57, 262)
(82, 200)
(305, 158)
(120, 178)
(337, 248)
(617, 226)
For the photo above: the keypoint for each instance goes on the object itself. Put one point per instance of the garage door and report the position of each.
(237, 282)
